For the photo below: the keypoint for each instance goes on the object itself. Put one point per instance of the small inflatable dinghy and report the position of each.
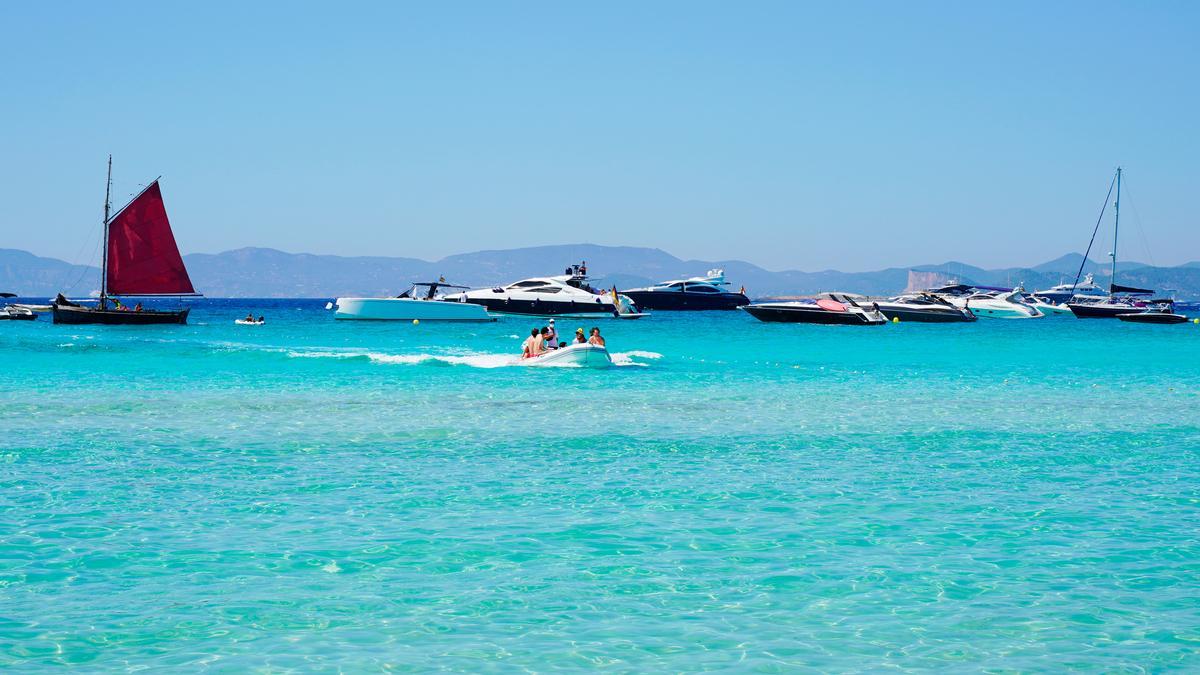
(577, 355)
(243, 322)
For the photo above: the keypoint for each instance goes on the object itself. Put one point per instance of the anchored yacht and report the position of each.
(422, 302)
(989, 302)
(564, 295)
(923, 307)
(1121, 300)
(830, 308)
(1063, 293)
(697, 293)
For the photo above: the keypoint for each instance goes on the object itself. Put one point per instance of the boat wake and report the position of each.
(486, 361)
(633, 358)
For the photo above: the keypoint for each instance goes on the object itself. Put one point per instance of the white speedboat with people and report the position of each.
(424, 301)
(828, 308)
(566, 295)
(545, 347)
(578, 355)
(698, 293)
(990, 302)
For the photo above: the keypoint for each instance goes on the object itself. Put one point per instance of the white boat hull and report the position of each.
(1003, 312)
(1049, 309)
(408, 309)
(578, 355)
(996, 307)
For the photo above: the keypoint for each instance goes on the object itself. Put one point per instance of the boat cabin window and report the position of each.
(527, 284)
(677, 284)
(545, 289)
(701, 288)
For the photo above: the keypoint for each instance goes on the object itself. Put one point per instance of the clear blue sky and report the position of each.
(841, 135)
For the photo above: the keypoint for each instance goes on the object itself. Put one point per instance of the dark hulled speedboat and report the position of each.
(698, 293)
(1153, 316)
(140, 259)
(836, 309)
(923, 308)
(1160, 311)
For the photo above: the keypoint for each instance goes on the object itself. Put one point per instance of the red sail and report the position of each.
(142, 256)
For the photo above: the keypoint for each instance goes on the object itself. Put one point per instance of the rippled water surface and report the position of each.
(1015, 495)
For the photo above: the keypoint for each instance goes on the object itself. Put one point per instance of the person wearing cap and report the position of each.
(551, 336)
(580, 338)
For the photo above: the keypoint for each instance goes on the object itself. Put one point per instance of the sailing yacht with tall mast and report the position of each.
(1121, 299)
(140, 259)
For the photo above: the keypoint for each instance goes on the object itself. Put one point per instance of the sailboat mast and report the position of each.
(104, 242)
(1116, 229)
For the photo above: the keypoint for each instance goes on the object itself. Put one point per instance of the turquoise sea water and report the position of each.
(1011, 495)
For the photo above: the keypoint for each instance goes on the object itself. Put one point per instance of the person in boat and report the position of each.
(137, 307)
(596, 338)
(547, 342)
(249, 318)
(551, 334)
(580, 338)
(531, 347)
(262, 320)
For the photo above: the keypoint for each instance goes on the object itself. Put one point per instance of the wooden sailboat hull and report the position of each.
(116, 317)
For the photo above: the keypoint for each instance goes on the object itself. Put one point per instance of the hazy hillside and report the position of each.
(263, 272)
(24, 273)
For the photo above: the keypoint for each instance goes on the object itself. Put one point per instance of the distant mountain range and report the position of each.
(264, 272)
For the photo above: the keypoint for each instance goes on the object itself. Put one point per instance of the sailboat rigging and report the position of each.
(140, 258)
(1121, 300)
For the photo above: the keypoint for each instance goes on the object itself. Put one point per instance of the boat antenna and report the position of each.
(104, 242)
(1116, 228)
(1095, 229)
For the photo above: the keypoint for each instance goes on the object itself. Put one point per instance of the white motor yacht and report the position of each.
(989, 302)
(1064, 293)
(566, 295)
(422, 302)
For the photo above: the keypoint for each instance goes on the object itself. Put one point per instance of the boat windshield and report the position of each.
(429, 290)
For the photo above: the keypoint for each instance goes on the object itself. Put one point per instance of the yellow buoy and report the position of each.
(1196, 321)
(416, 322)
(895, 319)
